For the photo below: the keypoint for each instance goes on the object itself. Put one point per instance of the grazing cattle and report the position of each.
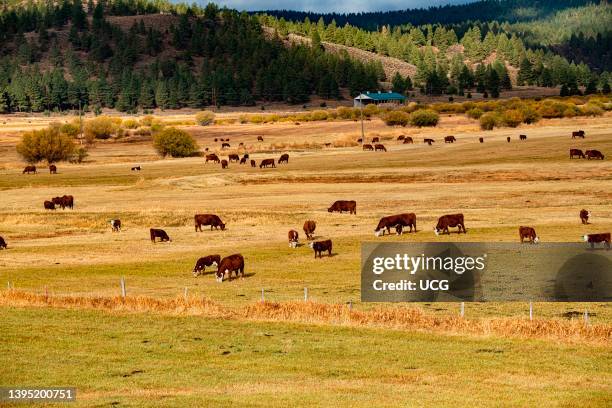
(449, 139)
(481, 139)
(523, 137)
(52, 169)
(401, 137)
(260, 138)
(115, 225)
(64, 201)
(284, 158)
(359, 140)
(594, 154)
(401, 220)
(584, 216)
(233, 157)
(529, 234)
(343, 205)
(225, 146)
(243, 160)
(246, 156)
(29, 169)
(450, 220)
(380, 147)
(253, 163)
(208, 219)
(293, 238)
(266, 163)
(241, 144)
(321, 246)
(205, 261)
(428, 141)
(328, 144)
(136, 168)
(309, 228)
(375, 139)
(597, 238)
(233, 263)
(408, 140)
(368, 147)
(576, 152)
(508, 139)
(159, 233)
(578, 133)
(216, 140)
(3, 243)
(212, 157)
(49, 205)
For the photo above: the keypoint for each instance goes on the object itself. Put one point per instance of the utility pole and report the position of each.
(361, 111)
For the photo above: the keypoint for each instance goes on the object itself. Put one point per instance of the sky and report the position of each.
(326, 6)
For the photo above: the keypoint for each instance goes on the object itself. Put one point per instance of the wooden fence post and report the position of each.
(462, 313)
(263, 298)
(123, 287)
(350, 305)
(586, 316)
(530, 310)
(305, 294)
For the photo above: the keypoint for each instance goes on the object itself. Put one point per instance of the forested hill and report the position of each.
(130, 55)
(484, 10)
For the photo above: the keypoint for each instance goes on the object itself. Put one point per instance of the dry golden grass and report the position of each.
(397, 318)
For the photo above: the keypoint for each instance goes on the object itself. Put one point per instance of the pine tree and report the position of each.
(605, 88)
(4, 101)
(525, 74)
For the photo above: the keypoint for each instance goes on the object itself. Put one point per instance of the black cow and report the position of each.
(380, 147)
(576, 152)
(212, 157)
(136, 168)
(429, 141)
(284, 158)
(408, 140)
(253, 163)
(49, 205)
(449, 139)
(594, 154)
(233, 158)
(367, 147)
(159, 233)
(321, 246)
(578, 133)
(481, 139)
(224, 164)
(205, 261)
(52, 169)
(3, 243)
(29, 169)
(266, 163)
(523, 137)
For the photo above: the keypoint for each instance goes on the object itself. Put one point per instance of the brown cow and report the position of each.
(529, 233)
(321, 246)
(309, 228)
(594, 154)
(481, 139)
(380, 147)
(359, 140)
(522, 137)
(243, 160)
(233, 263)
(508, 139)
(584, 216)
(260, 138)
(368, 147)
(29, 169)
(253, 163)
(115, 225)
(402, 220)
(408, 140)
(597, 238)
(52, 169)
(429, 141)
(375, 139)
(450, 220)
(578, 133)
(449, 139)
(159, 233)
(136, 168)
(216, 140)
(225, 146)
(576, 152)
(208, 219)
(224, 164)
(266, 163)
(3, 243)
(293, 238)
(205, 261)
(342, 205)
(401, 137)
(233, 157)
(49, 205)
(284, 158)
(64, 201)
(212, 157)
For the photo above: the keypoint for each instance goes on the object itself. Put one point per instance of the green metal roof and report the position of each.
(383, 96)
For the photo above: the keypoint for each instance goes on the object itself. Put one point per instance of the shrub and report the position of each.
(70, 129)
(475, 113)
(147, 120)
(512, 118)
(370, 110)
(530, 115)
(175, 142)
(488, 121)
(102, 127)
(424, 117)
(346, 113)
(129, 124)
(204, 118)
(318, 115)
(79, 155)
(590, 109)
(46, 144)
(396, 118)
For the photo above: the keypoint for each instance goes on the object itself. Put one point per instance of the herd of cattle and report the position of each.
(235, 263)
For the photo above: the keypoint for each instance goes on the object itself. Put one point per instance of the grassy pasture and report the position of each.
(135, 360)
